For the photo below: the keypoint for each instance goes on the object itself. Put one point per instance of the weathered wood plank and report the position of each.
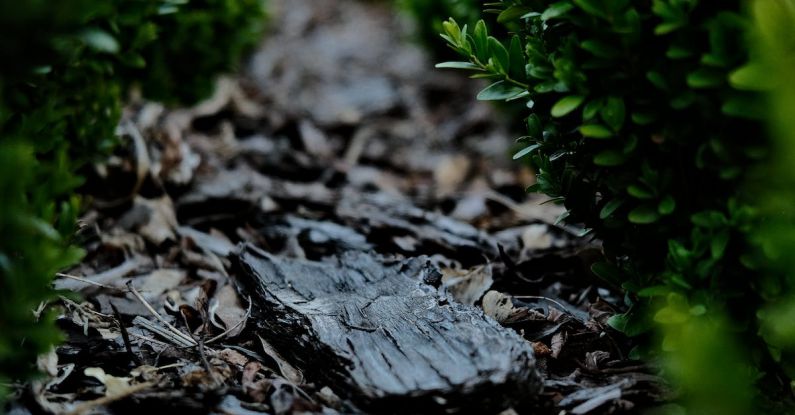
(378, 334)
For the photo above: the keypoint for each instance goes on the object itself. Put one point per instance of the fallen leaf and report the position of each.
(467, 286)
(541, 350)
(451, 172)
(557, 343)
(114, 386)
(536, 237)
(227, 308)
(287, 370)
(154, 219)
(160, 281)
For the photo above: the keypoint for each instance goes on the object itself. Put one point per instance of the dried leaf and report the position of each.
(467, 286)
(557, 343)
(287, 370)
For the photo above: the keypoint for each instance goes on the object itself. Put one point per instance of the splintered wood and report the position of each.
(382, 329)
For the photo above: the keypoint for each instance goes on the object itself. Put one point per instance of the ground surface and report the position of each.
(340, 140)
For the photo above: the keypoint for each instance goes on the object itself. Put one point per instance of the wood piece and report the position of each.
(377, 334)
(387, 217)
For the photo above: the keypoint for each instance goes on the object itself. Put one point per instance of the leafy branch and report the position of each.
(487, 55)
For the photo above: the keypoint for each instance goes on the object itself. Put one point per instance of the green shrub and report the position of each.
(646, 125)
(193, 45)
(60, 102)
(772, 70)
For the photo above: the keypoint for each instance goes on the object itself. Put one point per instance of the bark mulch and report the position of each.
(339, 229)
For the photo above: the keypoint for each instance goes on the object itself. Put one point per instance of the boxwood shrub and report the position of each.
(67, 66)
(646, 123)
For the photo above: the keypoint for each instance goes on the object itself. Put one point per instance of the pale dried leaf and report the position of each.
(467, 286)
(287, 370)
(557, 343)
(114, 386)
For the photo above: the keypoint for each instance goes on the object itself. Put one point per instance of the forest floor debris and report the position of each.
(332, 144)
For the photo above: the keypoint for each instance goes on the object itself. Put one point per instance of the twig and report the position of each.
(150, 340)
(124, 335)
(110, 275)
(202, 353)
(82, 307)
(166, 334)
(87, 281)
(157, 315)
(538, 297)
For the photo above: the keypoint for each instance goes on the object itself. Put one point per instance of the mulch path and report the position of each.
(339, 137)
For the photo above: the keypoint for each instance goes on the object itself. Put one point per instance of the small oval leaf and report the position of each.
(566, 105)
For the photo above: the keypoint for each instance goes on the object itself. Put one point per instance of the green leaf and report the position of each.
(517, 59)
(566, 105)
(643, 118)
(610, 208)
(595, 131)
(718, 244)
(100, 41)
(535, 128)
(609, 158)
(614, 113)
(643, 215)
(667, 205)
(640, 192)
(607, 272)
(704, 78)
(655, 291)
(665, 28)
(457, 65)
(675, 53)
(592, 7)
(556, 10)
(452, 32)
(698, 310)
(600, 49)
(709, 219)
(591, 109)
(751, 77)
(630, 323)
(480, 40)
(525, 151)
(500, 54)
(742, 107)
(670, 315)
(512, 13)
(683, 100)
(657, 80)
(499, 91)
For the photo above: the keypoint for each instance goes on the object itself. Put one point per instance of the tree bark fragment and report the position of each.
(379, 334)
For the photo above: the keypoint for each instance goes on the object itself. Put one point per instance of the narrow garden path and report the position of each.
(233, 246)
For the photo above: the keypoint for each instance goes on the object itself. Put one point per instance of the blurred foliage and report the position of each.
(195, 42)
(773, 70)
(647, 124)
(66, 67)
(704, 356)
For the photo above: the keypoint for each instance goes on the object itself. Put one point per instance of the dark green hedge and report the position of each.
(67, 65)
(647, 124)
